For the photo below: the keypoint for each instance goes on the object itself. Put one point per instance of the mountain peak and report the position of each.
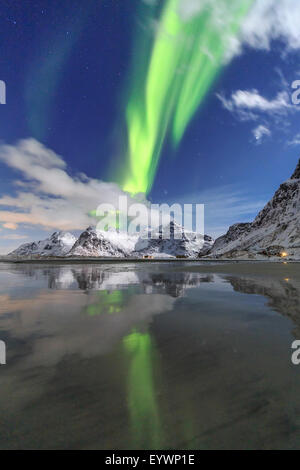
(58, 244)
(113, 243)
(274, 230)
(296, 174)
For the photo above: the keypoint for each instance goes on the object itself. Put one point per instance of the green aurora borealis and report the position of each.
(171, 82)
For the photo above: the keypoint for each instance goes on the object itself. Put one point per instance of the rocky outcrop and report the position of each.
(105, 244)
(274, 232)
(58, 244)
(169, 241)
(173, 240)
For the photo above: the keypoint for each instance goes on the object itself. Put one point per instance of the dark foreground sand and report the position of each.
(176, 355)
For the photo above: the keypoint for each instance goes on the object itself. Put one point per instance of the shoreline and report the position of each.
(97, 260)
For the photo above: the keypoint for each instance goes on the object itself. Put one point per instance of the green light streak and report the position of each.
(107, 303)
(143, 409)
(186, 57)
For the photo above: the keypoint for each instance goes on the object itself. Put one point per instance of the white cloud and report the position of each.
(251, 100)
(13, 236)
(10, 226)
(270, 20)
(222, 20)
(224, 206)
(267, 20)
(74, 330)
(260, 132)
(250, 105)
(48, 196)
(295, 141)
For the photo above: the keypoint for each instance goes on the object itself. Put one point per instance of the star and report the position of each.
(11, 20)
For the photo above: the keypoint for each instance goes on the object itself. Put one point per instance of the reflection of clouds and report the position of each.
(77, 312)
(67, 368)
(47, 328)
(55, 325)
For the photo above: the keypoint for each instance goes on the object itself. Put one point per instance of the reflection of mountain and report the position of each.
(129, 370)
(91, 277)
(283, 294)
(173, 284)
(85, 312)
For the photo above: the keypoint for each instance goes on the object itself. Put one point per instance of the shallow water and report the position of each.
(149, 356)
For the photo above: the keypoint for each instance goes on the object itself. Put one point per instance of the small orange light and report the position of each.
(283, 254)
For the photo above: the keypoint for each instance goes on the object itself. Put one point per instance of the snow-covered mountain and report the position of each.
(121, 244)
(58, 244)
(99, 243)
(112, 243)
(275, 230)
(173, 240)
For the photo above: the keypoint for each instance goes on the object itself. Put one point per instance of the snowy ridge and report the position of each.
(275, 230)
(58, 244)
(94, 243)
(172, 240)
(98, 243)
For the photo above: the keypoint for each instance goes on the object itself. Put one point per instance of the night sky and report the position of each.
(70, 69)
